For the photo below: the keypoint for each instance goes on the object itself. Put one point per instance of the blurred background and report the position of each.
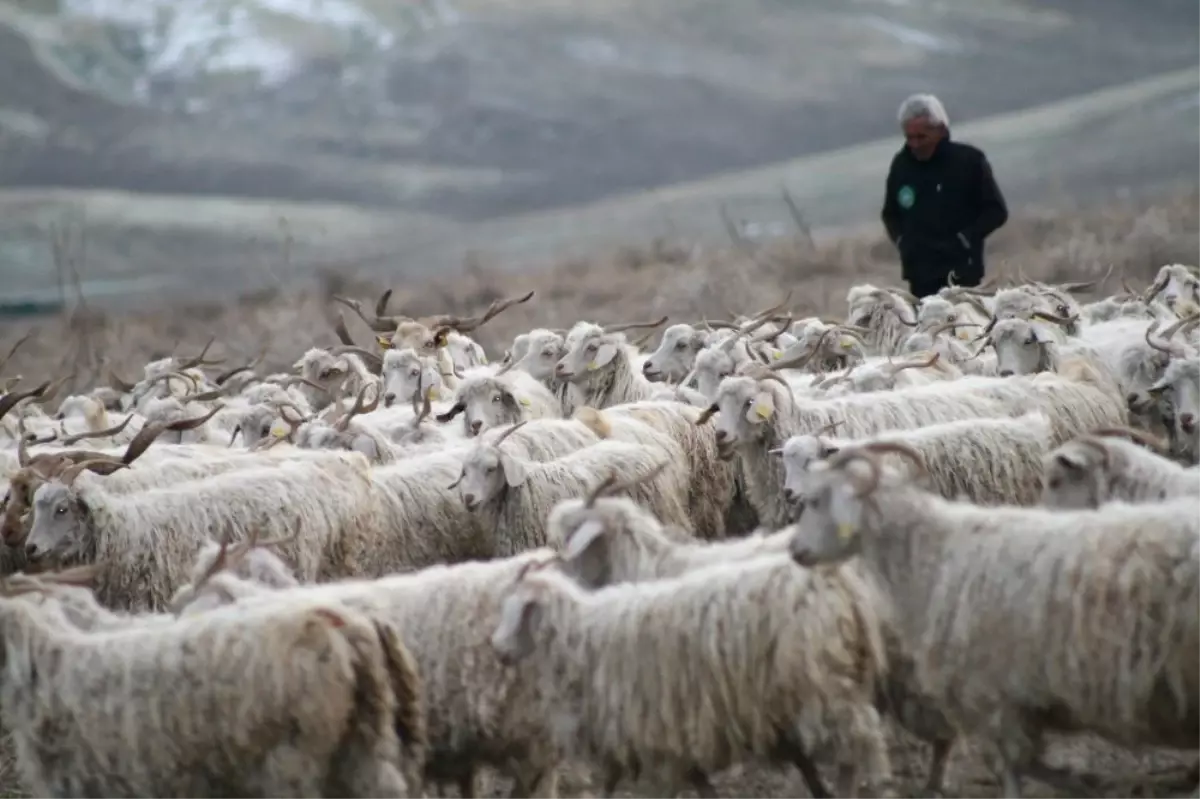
(197, 148)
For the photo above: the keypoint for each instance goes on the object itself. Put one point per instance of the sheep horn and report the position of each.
(13, 350)
(370, 357)
(68, 475)
(111, 431)
(205, 396)
(1175, 327)
(292, 380)
(380, 324)
(899, 448)
(830, 428)
(496, 308)
(599, 489)
(847, 455)
(233, 436)
(192, 363)
(1087, 284)
(9, 401)
(381, 304)
(894, 368)
(610, 485)
(52, 390)
(944, 326)
(1137, 436)
(1056, 319)
(508, 432)
(617, 328)
(800, 361)
(1160, 283)
(150, 432)
(357, 408)
(900, 318)
(1169, 349)
(904, 294)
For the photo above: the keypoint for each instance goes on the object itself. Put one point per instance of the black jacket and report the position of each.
(938, 212)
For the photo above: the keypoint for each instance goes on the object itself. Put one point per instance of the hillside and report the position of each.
(218, 138)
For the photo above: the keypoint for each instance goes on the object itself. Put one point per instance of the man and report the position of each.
(941, 202)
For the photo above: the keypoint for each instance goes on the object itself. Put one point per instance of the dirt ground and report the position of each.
(645, 282)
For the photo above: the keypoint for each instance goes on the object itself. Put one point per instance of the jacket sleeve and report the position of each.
(891, 209)
(992, 209)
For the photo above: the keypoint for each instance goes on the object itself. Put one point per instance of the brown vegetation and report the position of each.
(637, 281)
(647, 282)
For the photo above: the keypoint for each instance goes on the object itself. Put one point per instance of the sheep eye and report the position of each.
(491, 468)
(1055, 483)
(951, 318)
(680, 345)
(266, 431)
(496, 398)
(61, 510)
(414, 372)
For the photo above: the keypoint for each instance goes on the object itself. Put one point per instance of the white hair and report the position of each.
(923, 105)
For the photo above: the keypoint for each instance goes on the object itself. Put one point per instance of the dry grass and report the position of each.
(645, 282)
(635, 282)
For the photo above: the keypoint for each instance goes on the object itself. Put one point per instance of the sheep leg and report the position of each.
(847, 780)
(937, 766)
(808, 770)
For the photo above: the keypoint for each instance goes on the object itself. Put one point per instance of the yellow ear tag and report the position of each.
(963, 335)
(483, 359)
(592, 366)
(524, 402)
(434, 394)
(777, 354)
(763, 410)
(279, 430)
(845, 531)
(384, 343)
(847, 344)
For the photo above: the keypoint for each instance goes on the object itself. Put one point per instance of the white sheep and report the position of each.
(512, 495)
(501, 400)
(598, 366)
(1103, 467)
(885, 313)
(987, 461)
(1011, 611)
(145, 542)
(480, 712)
(321, 715)
(678, 679)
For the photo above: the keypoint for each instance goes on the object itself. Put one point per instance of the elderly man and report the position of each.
(941, 201)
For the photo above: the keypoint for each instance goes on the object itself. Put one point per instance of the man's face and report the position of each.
(922, 137)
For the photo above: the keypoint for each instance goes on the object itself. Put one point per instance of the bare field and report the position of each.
(686, 283)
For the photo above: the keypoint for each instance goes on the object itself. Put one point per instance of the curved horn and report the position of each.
(1137, 436)
(899, 318)
(379, 324)
(944, 326)
(150, 432)
(1056, 319)
(495, 309)
(847, 455)
(1170, 349)
(68, 475)
(292, 380)
(899, 448)
(192, 363)
(368, 356)
(358, 407)
(894, 368)
(800, 361)
(1088, 284)
(10, 401)
(1160, 283)
(599, 489)
(707, 414)
(13, 350)
(618, 328)
(1175, 327)
(610, 485)
(500, 438)
(111, 431)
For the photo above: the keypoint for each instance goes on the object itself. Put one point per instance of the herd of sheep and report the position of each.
(973, 516)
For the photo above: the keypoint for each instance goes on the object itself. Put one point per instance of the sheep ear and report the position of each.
(762, 409)
(514, 471)
(829, 451)
(584, 536)
(1072, 461)
(604, 356)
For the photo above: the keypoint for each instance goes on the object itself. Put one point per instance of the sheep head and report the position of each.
(486, 402)
(603, 529)
(488, 471)
(798, 454)
(675, 355)
(839, 493)
(746, 407)
(593, 350)
(404, 370)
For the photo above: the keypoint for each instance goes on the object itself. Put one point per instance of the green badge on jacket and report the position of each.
(906, 196)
